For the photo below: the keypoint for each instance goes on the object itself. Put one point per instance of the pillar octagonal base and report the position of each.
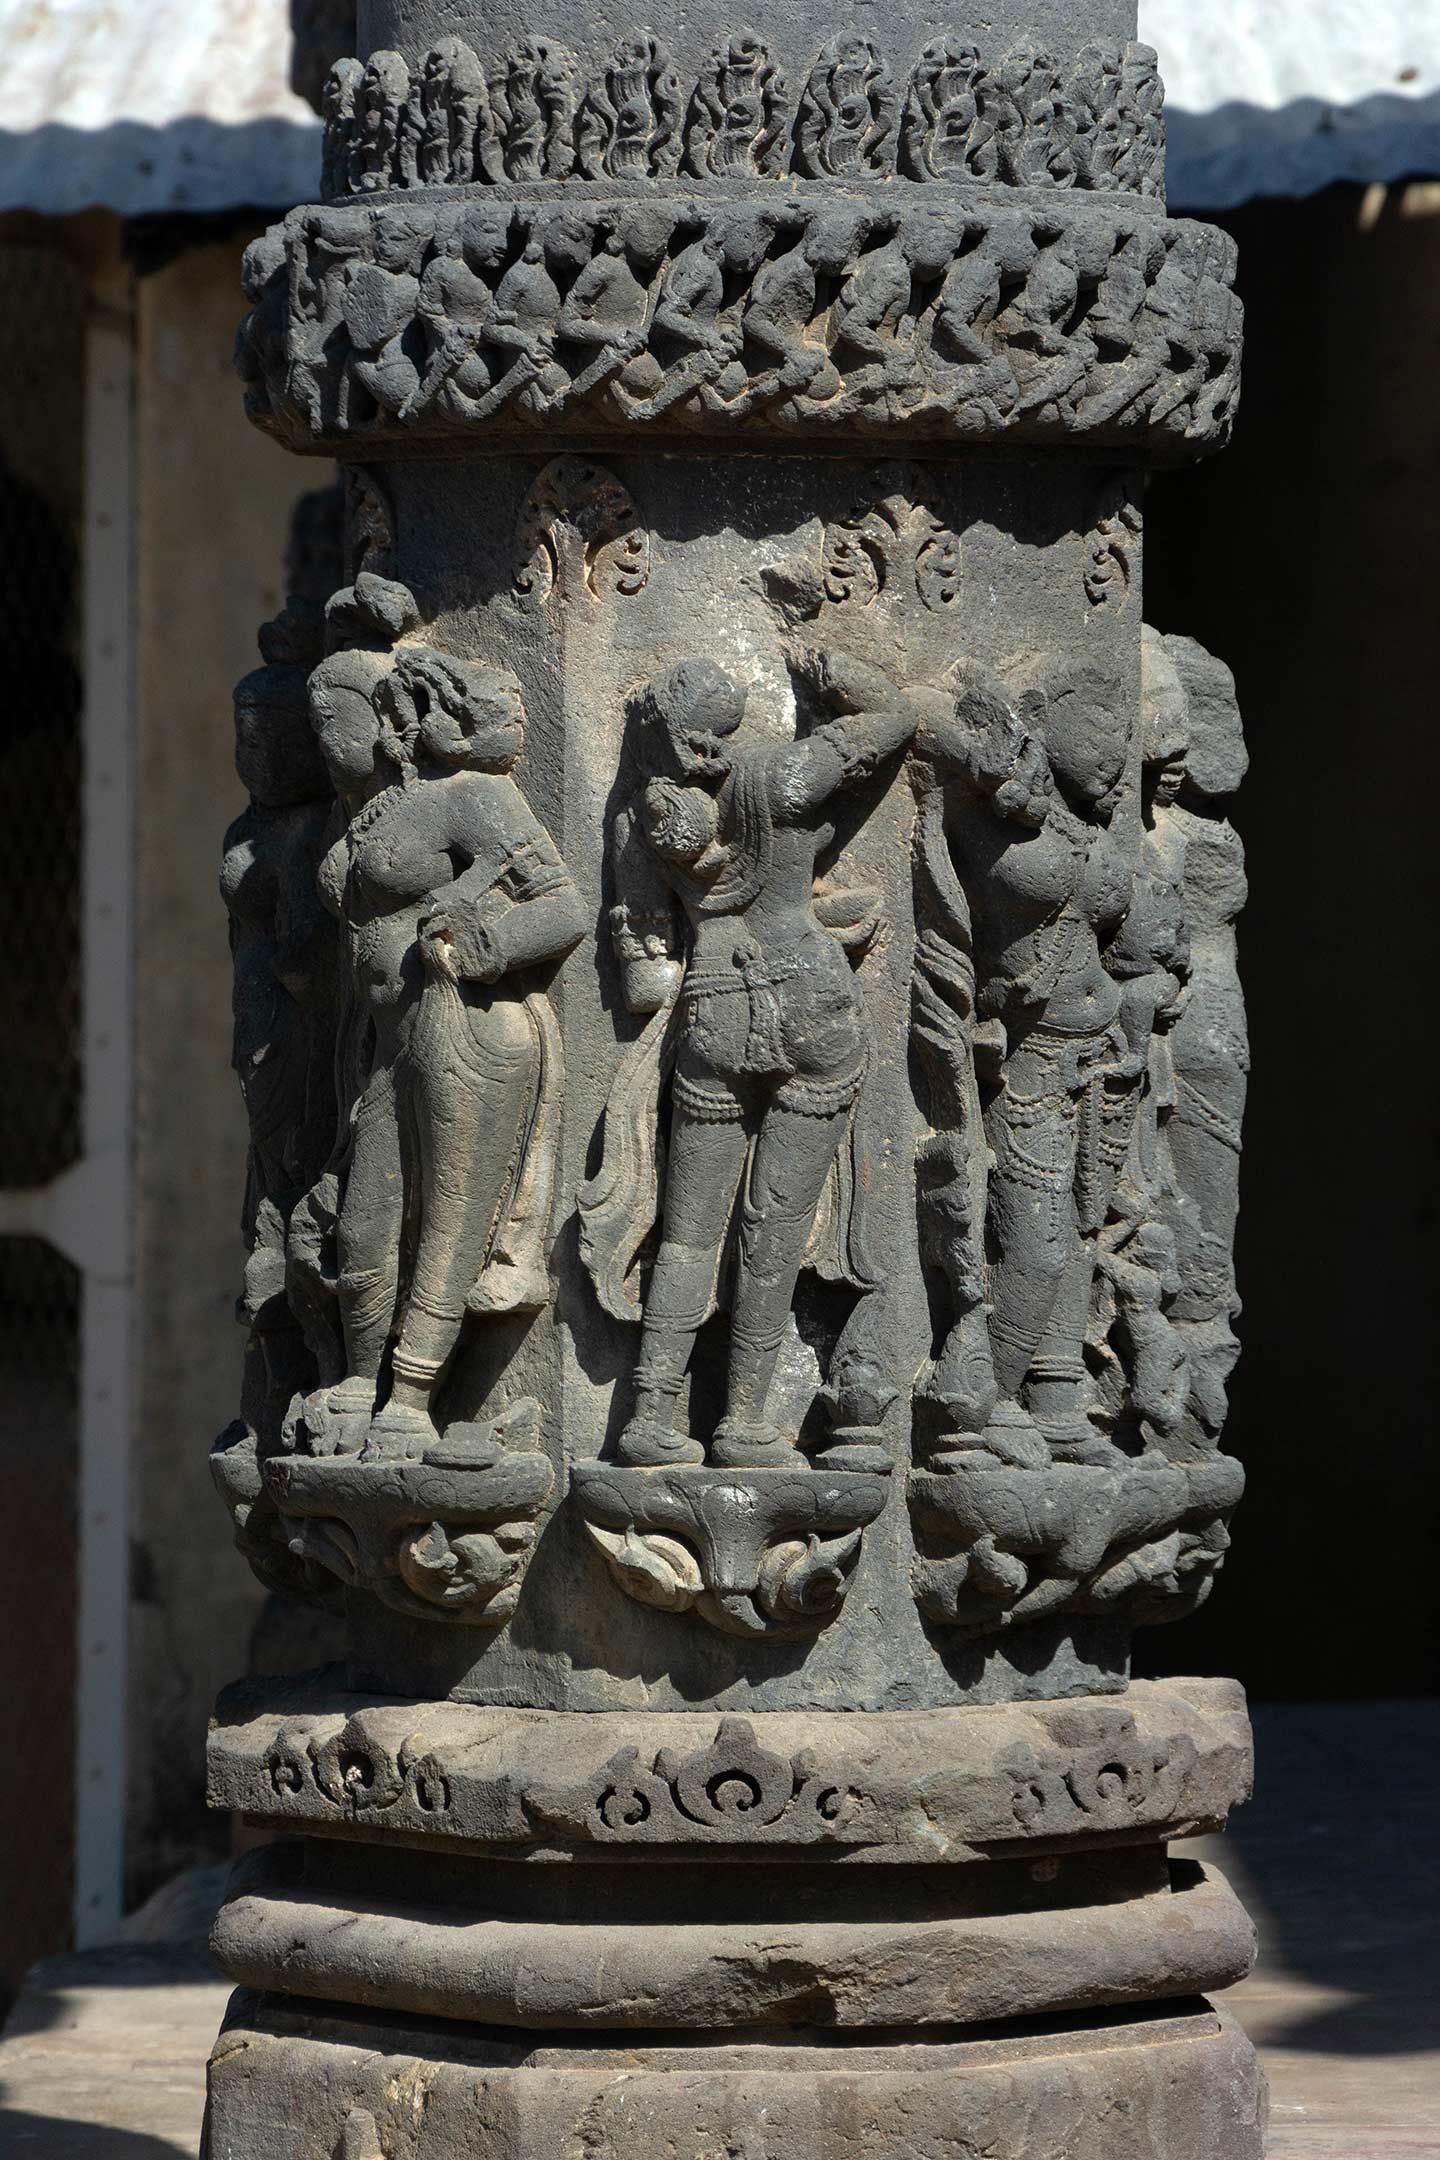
(309, 2082)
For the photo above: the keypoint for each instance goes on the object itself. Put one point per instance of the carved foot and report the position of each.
(331, 1421)
(855, 1447)
(480, 1445)
(1012, 1437)
(401, 1432)
(750, 1444)
(649, 1443)
(1083, 1443)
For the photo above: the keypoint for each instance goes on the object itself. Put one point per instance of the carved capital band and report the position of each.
(377, 328)
(537, 111)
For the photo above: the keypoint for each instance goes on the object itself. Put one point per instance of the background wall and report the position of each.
(1308, 555)
(213, 501)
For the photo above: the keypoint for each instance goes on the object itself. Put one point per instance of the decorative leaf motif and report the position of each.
(654, 1570)
(937, 130)
(739, 114)
(847, 115)
(630, 122)
(579, 535)
(534, 98)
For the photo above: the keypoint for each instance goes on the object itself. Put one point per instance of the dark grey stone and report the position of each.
(737, 1009)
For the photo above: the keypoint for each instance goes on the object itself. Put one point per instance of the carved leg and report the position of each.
(1059, 1393)
(464, 1145)
(706, 1162)
(791, 1162)
(1036, 1236)
(371, 1219)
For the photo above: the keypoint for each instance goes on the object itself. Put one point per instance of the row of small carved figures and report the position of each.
(1025, 120)
(368, 317)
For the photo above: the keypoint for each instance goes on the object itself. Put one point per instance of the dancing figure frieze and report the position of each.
(535, 110)
(385, 324)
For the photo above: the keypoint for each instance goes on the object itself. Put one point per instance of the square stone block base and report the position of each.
(291, 2081)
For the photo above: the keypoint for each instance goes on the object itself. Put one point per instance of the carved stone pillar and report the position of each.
(737, 1009)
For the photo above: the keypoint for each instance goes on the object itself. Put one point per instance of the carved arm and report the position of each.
(486, 924)
(874, 719)
(643, 927)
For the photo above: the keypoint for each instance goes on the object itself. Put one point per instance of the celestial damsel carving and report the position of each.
(440, 1067)
(768, 1039)
(1077, 1427)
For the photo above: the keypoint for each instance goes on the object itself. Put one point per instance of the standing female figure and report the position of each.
(450, 890)
(771, 1044)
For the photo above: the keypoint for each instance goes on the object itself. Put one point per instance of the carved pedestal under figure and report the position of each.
(736, 1006)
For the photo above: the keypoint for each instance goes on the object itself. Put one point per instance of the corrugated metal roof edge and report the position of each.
(1216, 159)
(194, 164)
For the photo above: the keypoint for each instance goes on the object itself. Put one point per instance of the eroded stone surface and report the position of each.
(301, 2086)
(947, 1968)
(1168, 1760)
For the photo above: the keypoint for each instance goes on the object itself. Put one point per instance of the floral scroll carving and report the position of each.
(733, 1792)
(579, 536)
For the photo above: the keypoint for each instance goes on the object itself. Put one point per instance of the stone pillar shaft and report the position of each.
(736, 1006)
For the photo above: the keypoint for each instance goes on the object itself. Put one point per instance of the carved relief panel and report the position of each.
(877, 966)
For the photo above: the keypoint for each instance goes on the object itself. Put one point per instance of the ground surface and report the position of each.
(1337, 1858)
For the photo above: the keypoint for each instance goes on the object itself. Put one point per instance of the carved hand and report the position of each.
(459, 947)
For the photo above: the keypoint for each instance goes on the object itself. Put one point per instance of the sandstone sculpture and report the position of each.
(737, 1011)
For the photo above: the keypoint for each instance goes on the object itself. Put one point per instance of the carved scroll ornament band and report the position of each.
(397, 323)
(955, 1784)
(1022, 118)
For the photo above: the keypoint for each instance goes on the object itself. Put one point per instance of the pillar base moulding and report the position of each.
(737, 1011)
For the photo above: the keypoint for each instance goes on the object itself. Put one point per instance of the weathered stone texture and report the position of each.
(737, 1011)
(1179, 2086)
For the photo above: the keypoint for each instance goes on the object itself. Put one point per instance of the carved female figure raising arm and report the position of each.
(771, 1043)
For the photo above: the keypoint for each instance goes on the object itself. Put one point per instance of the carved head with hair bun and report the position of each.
(352, 732)
(1081, 716)
(457, 712)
